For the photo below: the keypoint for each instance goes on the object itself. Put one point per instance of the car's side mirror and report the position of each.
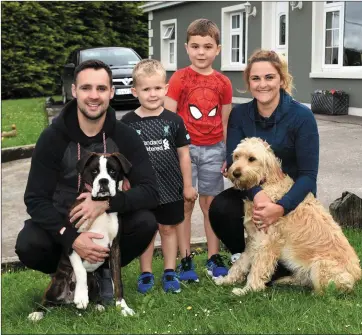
(69, 66)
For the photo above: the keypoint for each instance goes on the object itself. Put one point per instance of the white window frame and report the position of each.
(166, 42)
(235, 32)
(226, 33)
(328, 8)
(319, 69)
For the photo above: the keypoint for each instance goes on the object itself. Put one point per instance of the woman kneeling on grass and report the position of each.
(291, 130)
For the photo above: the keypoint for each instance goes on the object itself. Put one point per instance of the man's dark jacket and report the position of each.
(52, 185)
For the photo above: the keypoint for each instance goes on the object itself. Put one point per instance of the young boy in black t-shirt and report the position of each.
(167, 142)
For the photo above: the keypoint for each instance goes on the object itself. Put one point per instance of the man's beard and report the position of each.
(92, 117)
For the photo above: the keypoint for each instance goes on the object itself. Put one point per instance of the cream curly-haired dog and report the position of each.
(307, 240)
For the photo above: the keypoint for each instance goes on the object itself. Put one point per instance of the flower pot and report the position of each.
(328, 103)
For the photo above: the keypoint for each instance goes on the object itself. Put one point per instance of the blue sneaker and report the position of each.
(146, 281)
(186, 270)
(215, 266)
(170, 282)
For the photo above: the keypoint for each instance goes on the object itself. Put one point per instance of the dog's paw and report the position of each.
(125, 310)
(100, 308)
(240, 291)
(81, 299)
(219, 280)
(82, 303)
(36, 316)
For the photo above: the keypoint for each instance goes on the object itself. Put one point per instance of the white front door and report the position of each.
(275, 21)
(281, 11)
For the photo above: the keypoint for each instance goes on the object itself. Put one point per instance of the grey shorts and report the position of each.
(206, 168)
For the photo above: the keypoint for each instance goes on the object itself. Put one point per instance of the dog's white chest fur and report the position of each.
(107, 225)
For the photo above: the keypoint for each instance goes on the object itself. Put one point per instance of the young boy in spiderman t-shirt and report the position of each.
(202, 97)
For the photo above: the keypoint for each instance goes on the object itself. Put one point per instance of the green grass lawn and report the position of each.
(30, 119)
(201, 308)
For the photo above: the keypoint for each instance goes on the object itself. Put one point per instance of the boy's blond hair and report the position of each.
(203, 27)
(147, 67)
(278, 62)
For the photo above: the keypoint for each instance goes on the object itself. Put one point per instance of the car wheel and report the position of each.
(64, 95)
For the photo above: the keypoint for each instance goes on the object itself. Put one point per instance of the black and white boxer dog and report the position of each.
(74, 280)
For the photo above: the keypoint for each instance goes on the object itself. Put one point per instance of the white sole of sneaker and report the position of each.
(172, 291)
(189, 281)
(211, 275)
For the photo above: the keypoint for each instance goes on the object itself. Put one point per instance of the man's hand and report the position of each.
(190, 194)
(267, 214)
(88, 250)
(126, 185)
(224, 170)
(88, 210)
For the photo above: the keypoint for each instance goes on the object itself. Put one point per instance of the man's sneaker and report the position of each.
(170, 282)
(104, 280)
(146, 281)
(186, 270)
(215, 266)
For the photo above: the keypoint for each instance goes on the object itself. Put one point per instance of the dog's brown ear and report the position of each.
(126, 165)
(81, 164)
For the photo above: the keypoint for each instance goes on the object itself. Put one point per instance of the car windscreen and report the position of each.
(112, 56)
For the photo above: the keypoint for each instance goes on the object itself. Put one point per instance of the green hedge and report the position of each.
(37, 38)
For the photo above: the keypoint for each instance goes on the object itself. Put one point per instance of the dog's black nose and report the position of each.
(236, 173)
(103, 181)
(103, 185)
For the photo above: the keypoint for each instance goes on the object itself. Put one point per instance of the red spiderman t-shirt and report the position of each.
(199, 102)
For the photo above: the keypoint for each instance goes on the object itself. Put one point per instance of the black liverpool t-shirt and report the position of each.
(162, 135)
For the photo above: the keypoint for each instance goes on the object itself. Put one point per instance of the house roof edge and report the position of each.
(150, 6)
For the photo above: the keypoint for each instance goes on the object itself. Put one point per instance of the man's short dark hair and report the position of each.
(93, 64)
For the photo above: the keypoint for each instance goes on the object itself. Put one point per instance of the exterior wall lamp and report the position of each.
(296, 4)
(248, 9)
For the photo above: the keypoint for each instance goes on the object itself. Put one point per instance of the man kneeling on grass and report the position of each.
(87, 123)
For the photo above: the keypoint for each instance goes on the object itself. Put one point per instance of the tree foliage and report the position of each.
(37, 37)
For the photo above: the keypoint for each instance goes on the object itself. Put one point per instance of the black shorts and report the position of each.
(171, 213)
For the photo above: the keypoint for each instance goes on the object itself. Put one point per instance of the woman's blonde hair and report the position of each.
(279, 63)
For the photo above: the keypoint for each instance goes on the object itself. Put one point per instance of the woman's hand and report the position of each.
(261, 198)
(88, 210)
(267, 214)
